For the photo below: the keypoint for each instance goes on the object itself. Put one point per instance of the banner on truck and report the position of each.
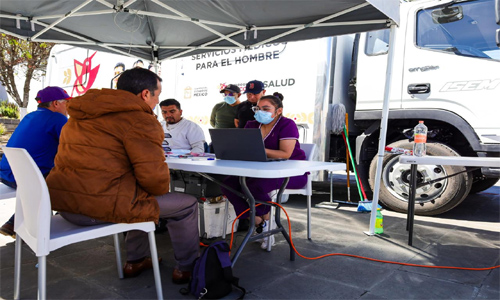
(288, 68)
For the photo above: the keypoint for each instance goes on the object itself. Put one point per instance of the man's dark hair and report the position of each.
(169, 102)
(137, 62)
(137, 80)
(120, 64)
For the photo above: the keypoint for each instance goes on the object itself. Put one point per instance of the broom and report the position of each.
(358, 182)
(339, 127)
(364, 205)
(339, 122)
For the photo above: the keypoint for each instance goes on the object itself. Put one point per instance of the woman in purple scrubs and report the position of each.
(280, 135)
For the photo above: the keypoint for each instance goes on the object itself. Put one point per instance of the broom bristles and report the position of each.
(338, 118)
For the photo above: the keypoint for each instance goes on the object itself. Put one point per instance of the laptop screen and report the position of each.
(238, 144)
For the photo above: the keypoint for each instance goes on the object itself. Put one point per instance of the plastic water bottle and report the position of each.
(379, 222)
(420, 138)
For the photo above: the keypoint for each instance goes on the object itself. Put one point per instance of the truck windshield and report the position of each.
(464, 28)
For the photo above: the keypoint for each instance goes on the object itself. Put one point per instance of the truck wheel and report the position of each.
(433, 199)
(482, 185)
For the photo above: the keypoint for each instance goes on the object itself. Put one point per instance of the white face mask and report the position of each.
(230, 99)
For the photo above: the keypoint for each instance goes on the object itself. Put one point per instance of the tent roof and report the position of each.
(169, 29)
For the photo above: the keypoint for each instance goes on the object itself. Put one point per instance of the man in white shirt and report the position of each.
(180, 133)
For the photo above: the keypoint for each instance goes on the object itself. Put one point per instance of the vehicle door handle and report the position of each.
(419, 88)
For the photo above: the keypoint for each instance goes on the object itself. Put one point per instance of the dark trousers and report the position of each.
(181, 212)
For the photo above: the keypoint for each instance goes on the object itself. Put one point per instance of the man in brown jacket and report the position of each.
(110, 167)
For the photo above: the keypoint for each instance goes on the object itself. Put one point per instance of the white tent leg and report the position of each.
(383, 131)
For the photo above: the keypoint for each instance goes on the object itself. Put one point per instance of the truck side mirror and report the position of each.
(498, 37)
(447, 14)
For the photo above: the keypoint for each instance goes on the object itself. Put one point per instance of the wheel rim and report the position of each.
(396, 176)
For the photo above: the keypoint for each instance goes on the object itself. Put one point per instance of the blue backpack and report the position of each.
(212, 276)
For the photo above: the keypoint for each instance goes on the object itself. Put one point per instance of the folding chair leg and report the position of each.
(271, 216)
(309, 217)
(118, 255)
(17, 267)
(42, 266)
(156, 265)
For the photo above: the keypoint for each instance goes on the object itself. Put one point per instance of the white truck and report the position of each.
(446, 72)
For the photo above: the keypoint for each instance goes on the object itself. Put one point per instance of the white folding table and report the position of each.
(244, 169)
(463, 161)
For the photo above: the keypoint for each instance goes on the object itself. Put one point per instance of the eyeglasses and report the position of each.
(228, 94)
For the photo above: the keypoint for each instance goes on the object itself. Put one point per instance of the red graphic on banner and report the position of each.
(85, 75)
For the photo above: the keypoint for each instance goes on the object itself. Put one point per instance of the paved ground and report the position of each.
(468, 236)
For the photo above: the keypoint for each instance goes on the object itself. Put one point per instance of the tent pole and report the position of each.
(383, 130)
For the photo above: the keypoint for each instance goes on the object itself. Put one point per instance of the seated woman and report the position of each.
(280, 135)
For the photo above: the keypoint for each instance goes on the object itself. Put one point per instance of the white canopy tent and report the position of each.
(164, 29)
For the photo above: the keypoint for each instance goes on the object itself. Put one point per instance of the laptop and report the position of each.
(239, 144)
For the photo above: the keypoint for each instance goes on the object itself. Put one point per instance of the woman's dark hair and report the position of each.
(137, 80)
(279, 95)
(276, 99)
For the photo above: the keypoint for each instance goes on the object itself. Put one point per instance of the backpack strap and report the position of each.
(222, 249)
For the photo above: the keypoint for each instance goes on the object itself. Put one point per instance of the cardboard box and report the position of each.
(211, 219)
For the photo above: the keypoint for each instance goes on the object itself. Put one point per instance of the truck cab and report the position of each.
(446, 72)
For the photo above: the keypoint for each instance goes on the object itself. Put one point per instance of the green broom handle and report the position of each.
(359, 181)
(346, 140)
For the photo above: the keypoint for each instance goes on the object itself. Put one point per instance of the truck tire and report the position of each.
(430, 200)
(482, 185)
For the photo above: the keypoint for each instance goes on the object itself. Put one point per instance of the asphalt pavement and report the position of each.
(468, 236)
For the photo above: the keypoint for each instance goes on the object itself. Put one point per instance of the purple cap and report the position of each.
(232, 88)
(51, 93)
(254, 87)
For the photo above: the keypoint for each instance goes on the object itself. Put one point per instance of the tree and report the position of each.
(17, 57)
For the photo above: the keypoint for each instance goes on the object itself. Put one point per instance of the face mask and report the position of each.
(263, 117)
(230, 99)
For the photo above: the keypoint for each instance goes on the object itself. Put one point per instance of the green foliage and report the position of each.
(3, 130)
(9, 110)
(19, 57)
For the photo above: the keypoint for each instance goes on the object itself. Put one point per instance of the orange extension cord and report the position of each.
(352, 255)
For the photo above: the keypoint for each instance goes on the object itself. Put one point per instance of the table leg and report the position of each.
(251, 203)
(251, 226)
(411, 203)
(277, 218)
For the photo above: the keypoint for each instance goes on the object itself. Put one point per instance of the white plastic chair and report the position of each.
(44, 232)
(309, 150)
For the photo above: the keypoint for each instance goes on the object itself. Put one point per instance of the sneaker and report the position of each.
(8, 230)
(254, 234)
(270, 239)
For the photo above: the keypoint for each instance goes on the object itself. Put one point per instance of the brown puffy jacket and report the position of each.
(110, 161)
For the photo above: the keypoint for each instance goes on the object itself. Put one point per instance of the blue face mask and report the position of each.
(264, 117)
(230, 99)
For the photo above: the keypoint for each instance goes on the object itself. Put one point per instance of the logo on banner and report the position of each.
(200, 92)
(188, 92)
(85, 75)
